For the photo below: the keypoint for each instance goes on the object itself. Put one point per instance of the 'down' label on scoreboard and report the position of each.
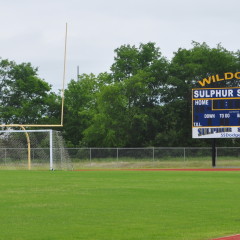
(216, 113)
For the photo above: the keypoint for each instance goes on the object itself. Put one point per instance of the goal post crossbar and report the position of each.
(30, 125)
(39, 130)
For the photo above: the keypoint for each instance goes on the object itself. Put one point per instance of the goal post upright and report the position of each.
(29, 148)
(64, 74)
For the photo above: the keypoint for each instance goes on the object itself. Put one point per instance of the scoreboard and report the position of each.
(216, 113)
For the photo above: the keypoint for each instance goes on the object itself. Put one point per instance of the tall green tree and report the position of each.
(108, 124)
(25, 98)
(80, 104)
(128, 109)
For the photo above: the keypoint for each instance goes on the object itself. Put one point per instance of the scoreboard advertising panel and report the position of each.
(216, 112)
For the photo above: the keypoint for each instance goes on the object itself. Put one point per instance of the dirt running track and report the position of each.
(234, 237)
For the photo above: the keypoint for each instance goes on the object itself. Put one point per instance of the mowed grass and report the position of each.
(118, 205)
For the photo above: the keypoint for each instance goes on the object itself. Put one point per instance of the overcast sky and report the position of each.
(34, 31)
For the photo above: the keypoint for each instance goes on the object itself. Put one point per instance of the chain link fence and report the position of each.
(104, 158)
(160, 157)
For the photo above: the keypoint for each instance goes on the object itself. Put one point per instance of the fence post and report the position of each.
(117, 159)
(90, 155)
(5, 157)
(33, 155)
(51, 149)
(61, 155)
(153, 155)
(184, 154)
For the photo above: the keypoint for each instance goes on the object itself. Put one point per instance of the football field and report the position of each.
(119, 205)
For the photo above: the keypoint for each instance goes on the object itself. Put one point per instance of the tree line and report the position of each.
(143, 100)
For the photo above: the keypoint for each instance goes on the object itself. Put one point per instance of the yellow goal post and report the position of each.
(24, 126)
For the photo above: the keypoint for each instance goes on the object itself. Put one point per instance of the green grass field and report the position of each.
(118, 205)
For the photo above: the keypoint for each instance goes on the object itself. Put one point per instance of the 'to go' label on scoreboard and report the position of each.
(216, 113)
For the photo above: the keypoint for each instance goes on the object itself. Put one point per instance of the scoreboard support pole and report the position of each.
(214, 152)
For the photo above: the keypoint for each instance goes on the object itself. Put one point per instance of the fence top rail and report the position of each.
(147, 148)
(155, 148)
(229, 147)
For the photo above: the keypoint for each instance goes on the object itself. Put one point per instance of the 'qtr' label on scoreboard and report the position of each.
(216, 113)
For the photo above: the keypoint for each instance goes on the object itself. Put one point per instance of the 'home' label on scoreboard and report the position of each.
(216, 113)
